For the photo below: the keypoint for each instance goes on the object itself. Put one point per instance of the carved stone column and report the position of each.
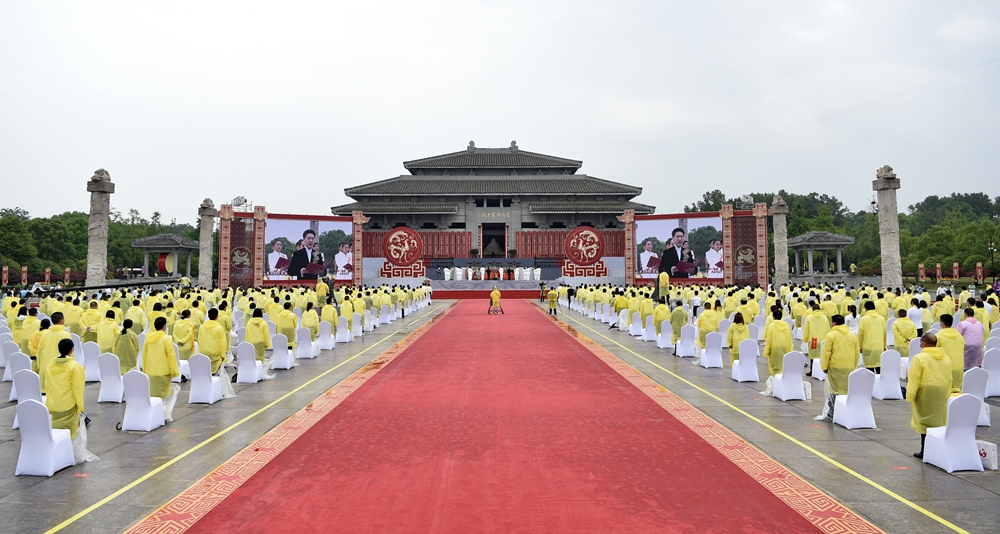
(779, 218)
(628, 219)
(886, 184)
(100, 188)
(207, 212)
(359, 220)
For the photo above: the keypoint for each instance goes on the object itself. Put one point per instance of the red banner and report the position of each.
(24, 275)
(6, 271)
(48, 275)
(954, 270)
(66, 276)
(921, 273)
(938, 267)
(979, 271)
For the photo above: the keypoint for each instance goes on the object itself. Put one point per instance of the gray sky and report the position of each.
(289, 103)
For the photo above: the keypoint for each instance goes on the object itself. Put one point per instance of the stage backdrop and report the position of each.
(724, 247)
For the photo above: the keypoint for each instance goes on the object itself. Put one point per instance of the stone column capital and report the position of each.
(100, 187)
(208, 212)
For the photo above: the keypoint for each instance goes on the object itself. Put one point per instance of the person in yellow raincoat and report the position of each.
(779, 343)
(347, 312)
(953, 343)
(708, 321)
(678, 319)
(871, 337)
(183, 334)
(213, 340)
(553, 298)
(107, 331)
(660, 313)
(137, 316)
(126, 347)
(29, 325)
(32, 353)
(903, 331)
(310, 320)
(737, 332)
(286, 323)
(928, 388)
(663, 284)
(48, 345)
(495, 299)
(839, 359)
(65, 379)
(89, 322)
(815, 327)
(329, 314)
(158, 359)
(258, 334)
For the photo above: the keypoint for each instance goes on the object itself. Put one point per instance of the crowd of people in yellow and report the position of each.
(195, 320)
(840, 327)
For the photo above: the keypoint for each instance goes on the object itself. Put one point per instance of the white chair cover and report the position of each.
(991, 363)
(112, 387)
(29, 388)
(887, 382)
(745, 367)
(384, 315)
(325, 337)
(788, 383)
(635, 328)
(249, 370)
(685, 345)
(304, 348)
(993, 343)
(711, 357)
(142, 412)
(953, 447)
(206, 388)
(343, 332)
(974, 383)
(649, 332)
(724, 330)
(358, 326)
(18, 361)
(91, 352)
(44, 450)
(281, 357)
(854, 410)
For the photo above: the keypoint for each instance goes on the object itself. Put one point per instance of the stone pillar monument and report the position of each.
(207, 212)
(779, 217)
(886, 184)
(100, 188)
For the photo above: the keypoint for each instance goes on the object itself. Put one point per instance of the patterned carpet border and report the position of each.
(181, 512)
(817, 507)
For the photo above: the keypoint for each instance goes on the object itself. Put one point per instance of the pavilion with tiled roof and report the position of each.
(494, 193)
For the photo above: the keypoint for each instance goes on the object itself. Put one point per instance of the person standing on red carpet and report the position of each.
(553, 297)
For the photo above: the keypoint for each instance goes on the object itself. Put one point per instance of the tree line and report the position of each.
(957, 228)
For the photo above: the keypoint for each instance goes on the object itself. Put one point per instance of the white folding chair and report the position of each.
(974, 383)
(78, 353)
(754, 332)
(241, 335)
(724, 330)
(249, 370)
(303, 344)
(991, 363)
(281, 357)
(788, 383)
(759, 322)
(953, 447)
(904, 363)
(712, 355)
(887, 382)
(18, 361)
(92, 369)
(44, 450)
(343, 331)
(649, 332)
(622, 322)
(635, 329)
(993, 343)
(112, 387)
(745, 367)
(142, 412)
(206, 388)
(29, 388)
(685, 345)
(890, 340)
(325, 338)
(357, 321)
(8, 348)
(384, 315)
(298, 315)
(854, 410)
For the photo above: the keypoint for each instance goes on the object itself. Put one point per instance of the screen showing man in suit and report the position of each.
(660, 246)
(319, 240)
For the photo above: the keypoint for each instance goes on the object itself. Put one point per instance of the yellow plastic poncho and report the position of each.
(48, 348)
(107, 331)
(346, 311)
(29, 326)
(903, 331)
(183, 334)
(678, 319)
(286, 323)
(839, 358)
(779, 343)
(815, 327)
(89, 323)
(736, 333)
(871, 338)
(660, 313)
(495, 297)
(66, 379)
(708, 321)
(159, 362)
(213, 341)
(126, 347)
(258, 335)
(953, 343)
(928, 388)
(310, 320)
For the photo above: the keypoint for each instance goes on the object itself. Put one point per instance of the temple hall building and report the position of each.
(497, 199)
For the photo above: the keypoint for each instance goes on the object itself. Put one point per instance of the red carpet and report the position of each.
(484, 294)
(500, 423)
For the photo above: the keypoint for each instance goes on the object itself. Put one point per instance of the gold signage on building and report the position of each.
(495, 215)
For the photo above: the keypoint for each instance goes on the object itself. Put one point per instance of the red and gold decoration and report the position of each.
(954, 270)
(921, 272)
(570, 268)
(628, 218)
(359, 220)
(241, 242)
(760, 212)
(416, 269)
(6, 274)
(584, 246)
(260, 224)
(48, 275)
(24, 275)
(402, 246)
(939, 274)
(726, 213)
(979, 271)
(66, 276)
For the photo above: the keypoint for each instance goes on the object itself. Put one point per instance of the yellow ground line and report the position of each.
(184, 454)
(843, 467)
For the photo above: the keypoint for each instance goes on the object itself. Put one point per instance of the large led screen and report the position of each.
(683, 245)
(302, 247)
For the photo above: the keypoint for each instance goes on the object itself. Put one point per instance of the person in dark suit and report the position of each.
(673, 254)
(302, 257)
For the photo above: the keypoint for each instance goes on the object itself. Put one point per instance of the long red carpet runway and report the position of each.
(502, 423)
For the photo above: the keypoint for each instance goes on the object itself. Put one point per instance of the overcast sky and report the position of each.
(288, 103)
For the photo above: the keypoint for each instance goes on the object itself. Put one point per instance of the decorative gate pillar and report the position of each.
(629, 219)
(726, 212)
(359, 220)
(779, 217)
(225, 244)
(100, 188)
(207, 212)
(886, 184)
(760, 212)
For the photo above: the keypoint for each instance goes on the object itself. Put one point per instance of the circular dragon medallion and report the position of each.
(745, 256)
(240, 258)
(402, 246)
(584, 246)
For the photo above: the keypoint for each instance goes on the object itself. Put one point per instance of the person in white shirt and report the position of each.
(345, 262)
(272, 260)
(914, 314)
(644, 270)
(713, 256)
